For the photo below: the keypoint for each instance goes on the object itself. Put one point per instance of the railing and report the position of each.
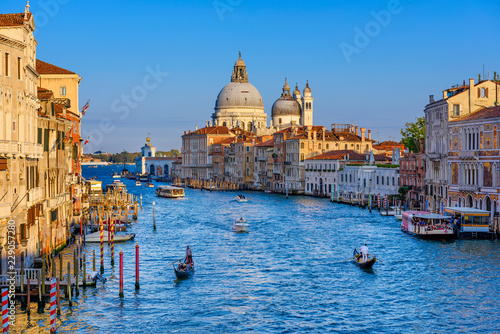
(467, 154)
(8, 147)
(35, 195)
(468, 188)
(434, 156)
(57, 200)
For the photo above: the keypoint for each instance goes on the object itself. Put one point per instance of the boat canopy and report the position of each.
(170, 188)
(430, 216)
(467, 211)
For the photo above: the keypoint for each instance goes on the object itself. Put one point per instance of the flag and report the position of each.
(85, 107)
(87, 140)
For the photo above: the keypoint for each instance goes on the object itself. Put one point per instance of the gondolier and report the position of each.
(189, 255)
(364, 252)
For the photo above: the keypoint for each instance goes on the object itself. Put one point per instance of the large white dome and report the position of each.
(239, 94)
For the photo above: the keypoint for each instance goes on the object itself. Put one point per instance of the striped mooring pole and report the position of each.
(102, 246)
(112, 242)
(5, 310)
(378, 200)
(53, 303)
(385, 201)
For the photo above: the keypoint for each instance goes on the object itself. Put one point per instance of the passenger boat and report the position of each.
(116, 175)
(117, 185)
(138, 183)
(470, 223)
(184, 273)
(426, 225)
(143, 177)
(241, 199)
(150, 185)
(358, 260)
(240, 225)
(170, 192)
(96, 237)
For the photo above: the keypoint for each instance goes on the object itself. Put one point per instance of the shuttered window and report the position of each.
(46, 140)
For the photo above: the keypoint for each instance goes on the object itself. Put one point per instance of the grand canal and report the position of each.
(288, 274)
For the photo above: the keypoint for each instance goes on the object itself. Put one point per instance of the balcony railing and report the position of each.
(466, 155)
(35, 195)
(468, 188)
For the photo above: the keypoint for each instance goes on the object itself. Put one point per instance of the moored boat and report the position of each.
(240, 225)
(183, 273)
(358, 260)
(170, 192)
(470, 223)
(96, 237)
(427, 225)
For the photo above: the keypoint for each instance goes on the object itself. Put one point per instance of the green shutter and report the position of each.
(46, 140)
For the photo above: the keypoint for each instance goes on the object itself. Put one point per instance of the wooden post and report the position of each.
(28, 291)
(60, 267)
(68, 285)
(121, 273)
(141, 202)
(58, 297)
(112, 243)
(137, 266)
(93, 260)
(76, 274)
(84, 280)
(43, 277)
(54, 269)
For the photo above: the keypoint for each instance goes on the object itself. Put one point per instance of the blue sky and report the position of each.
(409, 50)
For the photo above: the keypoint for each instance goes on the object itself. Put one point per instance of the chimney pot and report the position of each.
(363, 132)
(369, 134)
(356, 130)
(431, 98)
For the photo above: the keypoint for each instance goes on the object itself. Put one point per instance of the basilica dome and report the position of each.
(286, 105)
(239, 94)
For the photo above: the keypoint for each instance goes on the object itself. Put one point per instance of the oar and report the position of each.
(174, 262)
(378, 259)
(349, 258)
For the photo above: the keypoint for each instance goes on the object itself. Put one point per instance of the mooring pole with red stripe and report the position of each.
(137, 266)
(53, 302)
(102, 246)
(112, 242)
(5, 310)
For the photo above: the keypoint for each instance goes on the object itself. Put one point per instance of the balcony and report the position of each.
(4, 211)
(468, 155)
(288, 163)
(262, 159)
(58, 200)
(8, 147)
(434, 156)
(468, 188)
(35, 195)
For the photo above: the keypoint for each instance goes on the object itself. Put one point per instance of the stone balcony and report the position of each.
(58, 200)
(468, 155)
(35, 195)
(5, 210)
(10, 147)
(468, 188)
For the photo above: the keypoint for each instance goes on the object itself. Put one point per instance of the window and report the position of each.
(279, 121)
(18, 68)
(248, 148)
(7, 61)
(302, 157)
(248, 159)
(319, 146)
(456, 110)
(327, 146)
(40, 136)
(302, 145)
(63, 90)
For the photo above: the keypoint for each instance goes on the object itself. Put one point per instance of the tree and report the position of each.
(412, 133)
(175, 153)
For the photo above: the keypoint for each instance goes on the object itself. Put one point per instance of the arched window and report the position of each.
(345, 147)
(495, 137)
(319, 146)
(243, 125)
(302, 157)
(327, 146)
(248, 159)
(224, 124)
(302, 145)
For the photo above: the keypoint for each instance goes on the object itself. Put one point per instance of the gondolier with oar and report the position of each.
(364, 252)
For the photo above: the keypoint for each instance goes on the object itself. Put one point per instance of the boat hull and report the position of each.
(182, 274)
(432, 236)
(365, 265)
(96, 237)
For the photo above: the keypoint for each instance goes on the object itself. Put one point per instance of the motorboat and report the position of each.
(138, 183)
(150, 185)
(241, 199)
(240, 225)
(170, 192)
(96, 237)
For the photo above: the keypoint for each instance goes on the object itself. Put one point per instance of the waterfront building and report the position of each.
(196, 157)
(387, 148)
(263, 170)
(378, 176)
(21, 191)
(321, 172)
(473, 160)
(457, 102)
(177, 168)
(412, 176)
(149, 163)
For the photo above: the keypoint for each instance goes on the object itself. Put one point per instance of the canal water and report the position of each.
(289, 274)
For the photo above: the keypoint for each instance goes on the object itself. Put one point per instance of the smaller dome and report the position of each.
(296, 92)
(307, 89)
(286, 106)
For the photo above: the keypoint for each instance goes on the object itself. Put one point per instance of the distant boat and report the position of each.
(241, 199)
(240, 225)
(150, 185)
(93, 166)
(138, 183)
(170, 192)
(96, 237)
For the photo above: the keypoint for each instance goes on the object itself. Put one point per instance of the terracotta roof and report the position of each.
(387, 144)
(211, 130)
(45, 94)
(46, 68)
(269, 143)
(490, 112)
(353, 156)
(12, 20)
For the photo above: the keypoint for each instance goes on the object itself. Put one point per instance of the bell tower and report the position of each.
(307, 107)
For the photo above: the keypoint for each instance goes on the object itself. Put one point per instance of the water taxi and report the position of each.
(170, 192)
(117, 185)
(470, 223)
(241, 199)
(150, 185)
(427, 225)
(138, 183)
(240, 225)
(116, 175)
(143, 177)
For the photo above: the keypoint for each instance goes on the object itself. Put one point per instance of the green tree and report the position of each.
(175, 153)
(411, 134)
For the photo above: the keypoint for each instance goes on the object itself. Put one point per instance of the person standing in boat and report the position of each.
(364, 252)
(189, 255)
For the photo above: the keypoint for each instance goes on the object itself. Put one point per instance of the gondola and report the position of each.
(364, 265)
(184, 273)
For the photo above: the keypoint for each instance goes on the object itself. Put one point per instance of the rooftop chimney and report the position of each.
(314, 135)
(431, 98)
(356, 130)
(363, 131)
(369, 134)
